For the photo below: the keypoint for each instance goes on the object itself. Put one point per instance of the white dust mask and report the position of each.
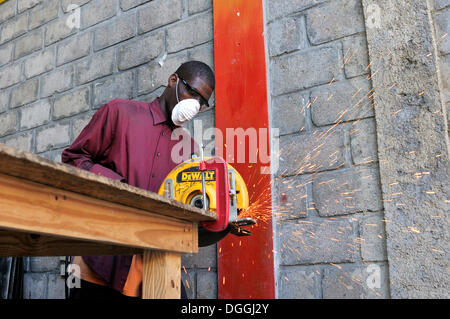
(185, 111)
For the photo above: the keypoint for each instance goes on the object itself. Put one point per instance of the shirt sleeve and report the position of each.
(88, 149)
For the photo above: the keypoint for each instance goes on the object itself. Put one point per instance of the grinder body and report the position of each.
(224, 189)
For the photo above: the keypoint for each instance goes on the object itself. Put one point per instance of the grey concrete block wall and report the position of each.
(54, 75)
(440, 20)
(328, 209)
(413, 141)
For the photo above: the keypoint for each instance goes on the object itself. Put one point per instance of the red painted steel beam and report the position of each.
(245, 264)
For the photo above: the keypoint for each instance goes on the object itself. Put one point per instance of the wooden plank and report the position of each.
(14, 243)
(35, 208)
(161, 275)
(31, 167)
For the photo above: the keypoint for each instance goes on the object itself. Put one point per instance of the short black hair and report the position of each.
(193, 69)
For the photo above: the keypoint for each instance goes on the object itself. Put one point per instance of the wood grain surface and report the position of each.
(161, 275)
(35, 208)
(34, 168)
(15, 243)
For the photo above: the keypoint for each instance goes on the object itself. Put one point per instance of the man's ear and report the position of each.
(172, 81)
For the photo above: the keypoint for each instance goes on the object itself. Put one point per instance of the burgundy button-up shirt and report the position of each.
(129, 141)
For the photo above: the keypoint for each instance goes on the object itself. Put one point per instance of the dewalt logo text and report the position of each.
(197, 176)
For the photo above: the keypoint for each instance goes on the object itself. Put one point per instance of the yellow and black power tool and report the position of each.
(222, 187)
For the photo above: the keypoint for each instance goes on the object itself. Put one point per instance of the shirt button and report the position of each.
(163, 133)
(153, 175)
(158, 154)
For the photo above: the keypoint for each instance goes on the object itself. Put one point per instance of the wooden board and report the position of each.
(34, 168)
(35, 208)
(161, 273)
(15, 243)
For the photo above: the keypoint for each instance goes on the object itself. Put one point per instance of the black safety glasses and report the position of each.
(192, 91)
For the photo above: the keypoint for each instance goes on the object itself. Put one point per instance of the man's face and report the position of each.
(189, 88)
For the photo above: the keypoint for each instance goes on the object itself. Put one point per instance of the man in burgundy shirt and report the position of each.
(131, 141)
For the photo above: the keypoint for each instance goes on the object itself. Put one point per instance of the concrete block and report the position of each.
(99, 65)
(75, 48)
(8, 10)
(13, 28)
(287, 35)
(373, 237)
(39, 63)
(58, 30)
(203, 130)
(56, 287)
(155, 75)
(335, 20)
(128, 4)
(71, 103)
(44, 264)
(206, 258)
(444, 64)
(311, 152)
(8, 123)
(79, 123)
(119, 86)
(46, 11)
(442, 26)
(35, 114)
(356, 56)
(304, 69)
(23, 5)
(196, 6)
(363, 141)
(347, 191)
(57, 81)
(22, 142)
(140, 51)
(188, 278)
(29, 43)
(317, 241)
(97, 11)
(203, 53)
(52, 136)
(159, 13)
(290, 198)
(4, 100)
(281, 8)
(53, 155)
(25, 92)
(6, 53)
(118, 30)
(35, 285)
(11, 74)
(66, 3)
(288, 112)
(186, 33)
(341, 101)
(151, 96)
(299, 282)
(356, 282)
(206, 284)
(440, 4)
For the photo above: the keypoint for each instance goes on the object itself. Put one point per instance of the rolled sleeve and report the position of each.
(104, 171)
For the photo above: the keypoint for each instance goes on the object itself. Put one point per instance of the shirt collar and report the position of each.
(157, 113)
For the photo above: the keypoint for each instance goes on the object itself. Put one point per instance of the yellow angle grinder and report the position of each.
(223, 189)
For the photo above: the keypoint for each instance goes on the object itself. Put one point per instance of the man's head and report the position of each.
(192, 80)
